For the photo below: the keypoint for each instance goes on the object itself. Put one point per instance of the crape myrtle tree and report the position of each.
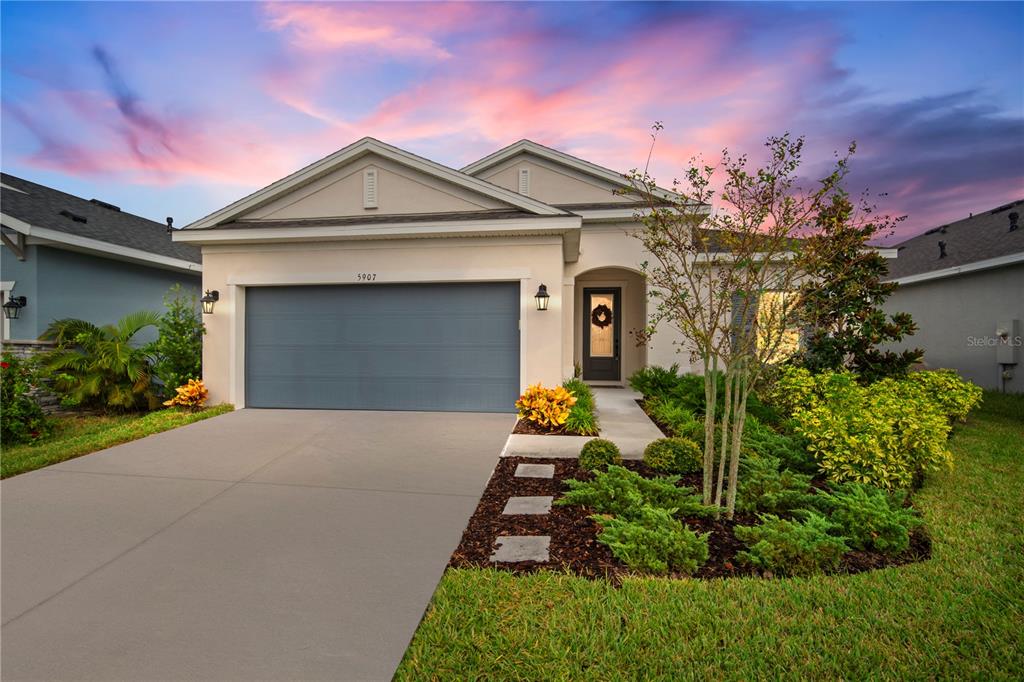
(724, 269)
(842, 297)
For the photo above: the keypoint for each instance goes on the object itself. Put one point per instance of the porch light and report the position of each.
(542, 297)
(12, 308)
(208, 300)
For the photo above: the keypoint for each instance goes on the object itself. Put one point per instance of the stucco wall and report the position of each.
(72, 284)
(400, 190)
(530, 260)
(957, 318)
(23, 274)
(552, 183)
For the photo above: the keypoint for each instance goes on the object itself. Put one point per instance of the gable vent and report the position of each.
(370, 188)
(524, 181)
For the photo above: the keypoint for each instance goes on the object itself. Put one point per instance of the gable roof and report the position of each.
(40, 211)
(369, 145)
(555, 156)
(978, 239)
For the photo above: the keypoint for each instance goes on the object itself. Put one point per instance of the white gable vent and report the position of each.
(370, 188)
(524, 181)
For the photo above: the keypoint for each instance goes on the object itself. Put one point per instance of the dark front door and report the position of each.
(601, 334)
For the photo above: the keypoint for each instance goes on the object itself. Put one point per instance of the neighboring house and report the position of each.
(964, 285)
(377, 279)
(73, 257)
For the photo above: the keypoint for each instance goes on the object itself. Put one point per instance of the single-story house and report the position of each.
(378, 279)
(83, 258)
(964, 285)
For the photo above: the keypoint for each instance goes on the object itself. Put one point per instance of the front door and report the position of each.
(601, 334)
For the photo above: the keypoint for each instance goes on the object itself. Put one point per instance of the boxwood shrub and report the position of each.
(598, 454)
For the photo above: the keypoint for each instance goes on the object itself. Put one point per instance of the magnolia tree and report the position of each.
(725, 270)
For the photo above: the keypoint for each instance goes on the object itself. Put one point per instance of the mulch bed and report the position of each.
(574, 545)
(529, 428)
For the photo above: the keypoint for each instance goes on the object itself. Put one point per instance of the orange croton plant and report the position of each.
(547, 407)
(193, 395)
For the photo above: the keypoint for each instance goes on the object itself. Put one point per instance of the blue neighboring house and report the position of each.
(83, 258)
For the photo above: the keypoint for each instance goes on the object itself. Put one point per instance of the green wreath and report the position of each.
(601, 316)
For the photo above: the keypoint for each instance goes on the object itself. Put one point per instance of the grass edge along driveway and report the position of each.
(958, 615)
(76, 435)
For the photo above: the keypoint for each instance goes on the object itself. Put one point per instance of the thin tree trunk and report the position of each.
(739, 419)
(730, 377)
(710, 400)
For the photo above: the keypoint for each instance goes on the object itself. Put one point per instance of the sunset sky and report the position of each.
(171, 109)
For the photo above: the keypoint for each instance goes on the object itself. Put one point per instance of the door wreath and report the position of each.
(601, 316)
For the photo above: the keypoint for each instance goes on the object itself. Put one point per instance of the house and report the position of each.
(964, 285)
(82, 258)
(378, 279)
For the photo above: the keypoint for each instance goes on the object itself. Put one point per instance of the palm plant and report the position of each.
(102, 366)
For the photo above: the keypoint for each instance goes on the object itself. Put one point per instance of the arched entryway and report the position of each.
(610, 309)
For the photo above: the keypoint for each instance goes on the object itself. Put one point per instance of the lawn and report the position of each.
(74, 436)
(958, 615)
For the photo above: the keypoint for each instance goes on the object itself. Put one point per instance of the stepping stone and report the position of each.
(528, 505)
(515, 548)
(535, 471)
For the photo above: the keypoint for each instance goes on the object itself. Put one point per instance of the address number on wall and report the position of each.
(366, 276)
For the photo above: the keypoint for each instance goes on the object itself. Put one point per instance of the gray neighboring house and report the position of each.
(964, 285)
(83, 258)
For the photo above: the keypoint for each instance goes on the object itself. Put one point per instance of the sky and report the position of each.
(177, 109)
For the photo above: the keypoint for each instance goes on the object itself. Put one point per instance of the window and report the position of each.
(775, 311)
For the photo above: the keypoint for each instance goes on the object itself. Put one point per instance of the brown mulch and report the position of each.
(527, 427)
(574, 545)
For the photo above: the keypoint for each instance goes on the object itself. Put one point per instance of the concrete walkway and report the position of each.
(262, 544)
(620, 420)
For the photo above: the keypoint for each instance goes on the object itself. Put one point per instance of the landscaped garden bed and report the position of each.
(574, 544)
(566, 410)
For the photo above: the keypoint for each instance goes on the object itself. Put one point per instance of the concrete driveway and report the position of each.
(262, 544)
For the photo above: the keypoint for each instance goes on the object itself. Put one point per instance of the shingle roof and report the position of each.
(977, 238)
(42, 206)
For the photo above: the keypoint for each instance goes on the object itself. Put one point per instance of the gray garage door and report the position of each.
(383, 347)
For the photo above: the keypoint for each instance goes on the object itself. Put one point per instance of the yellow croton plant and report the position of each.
(547, 407)
(193, 395)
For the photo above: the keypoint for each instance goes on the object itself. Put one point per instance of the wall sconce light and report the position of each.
(542, 297)
(208, 300)
(13, 306)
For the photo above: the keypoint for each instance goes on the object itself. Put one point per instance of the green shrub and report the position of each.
(803, 547)
(790, 450)
(944, 388)
(870, 518)
(670, 413)
(885, 433)
(653, 541)
(674, 455)
(581, 420)
(178, 350)
(599, 454)
(654, 382)
(622, 493)
(21, 418)
(764, 488)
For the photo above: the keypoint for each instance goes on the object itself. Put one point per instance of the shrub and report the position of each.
(869, 517)
(885, 433)
(581, 419)
(653, 541)
(675, 455)
(790, 450)
(621, 492)
(655, 382)
(944, 388)
(599, 454)
(21, 418)
(102, 366)
(670, 413)
(192, 395)
(786, 547)
(764, 488)
(546, 407)
(179, 348)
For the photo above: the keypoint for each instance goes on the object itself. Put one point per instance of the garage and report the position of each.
(431, 347)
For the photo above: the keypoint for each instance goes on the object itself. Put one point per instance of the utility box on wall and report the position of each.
(1008, 348)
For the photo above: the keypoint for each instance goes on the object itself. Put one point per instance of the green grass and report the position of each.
(74, 436)
(958, 615)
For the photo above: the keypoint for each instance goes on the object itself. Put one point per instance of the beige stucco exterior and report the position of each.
(553, 183)
(542, 250)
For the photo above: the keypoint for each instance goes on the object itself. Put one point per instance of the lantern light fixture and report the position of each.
(12, 308)
(542, 297)
(208, 299)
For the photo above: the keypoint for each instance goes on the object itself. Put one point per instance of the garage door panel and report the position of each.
(395, 347)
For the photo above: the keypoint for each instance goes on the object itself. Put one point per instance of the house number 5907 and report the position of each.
(366, 276)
